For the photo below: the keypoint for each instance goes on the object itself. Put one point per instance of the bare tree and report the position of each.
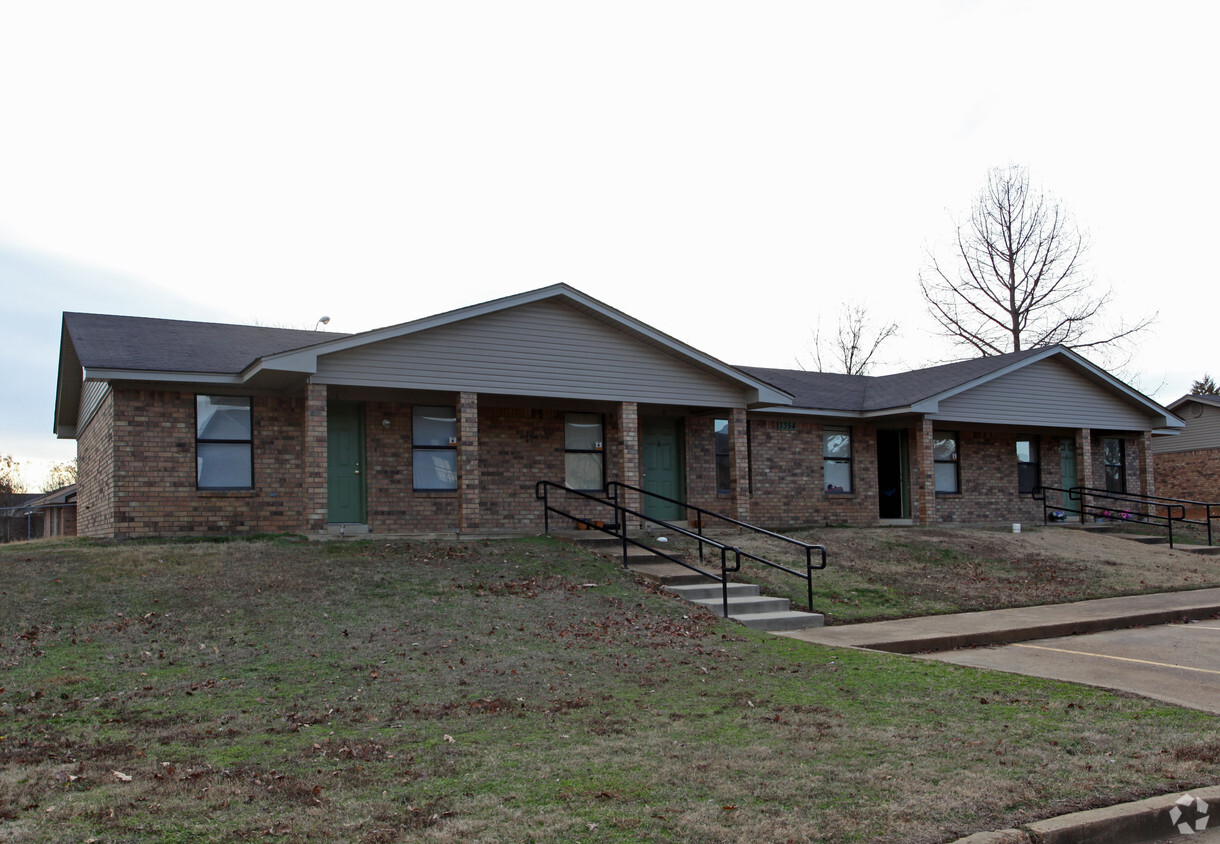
(60, 475)
(854, 345)
(1017, 279)
(12, 484)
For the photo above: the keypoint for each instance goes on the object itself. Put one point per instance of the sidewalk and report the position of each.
(994, 627)
(1144, 822)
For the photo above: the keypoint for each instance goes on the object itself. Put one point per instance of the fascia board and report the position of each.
(162, 375)
(1166, 432)
(807, 411)
(67, 384)
(65, 432)
(302, 362)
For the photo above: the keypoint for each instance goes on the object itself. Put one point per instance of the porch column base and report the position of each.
(924, 474)
(468, 462)
(739, 464)
(315, 458)
(629, 453)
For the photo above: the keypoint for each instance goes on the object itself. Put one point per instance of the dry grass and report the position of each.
(511, 691)
(883, 573)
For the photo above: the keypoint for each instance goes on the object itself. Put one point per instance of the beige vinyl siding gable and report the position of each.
(539, 349)
(92, 395)
(1202, 431)
(1043, 394)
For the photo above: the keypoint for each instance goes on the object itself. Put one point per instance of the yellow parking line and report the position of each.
(1119, 658)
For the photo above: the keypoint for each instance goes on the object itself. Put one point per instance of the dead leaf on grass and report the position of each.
(121, 777)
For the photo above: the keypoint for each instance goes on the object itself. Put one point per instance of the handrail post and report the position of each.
(1169, 520)
(724, 578)
(546, 511)
(1209, 525)
(809, 576)
(620, 519)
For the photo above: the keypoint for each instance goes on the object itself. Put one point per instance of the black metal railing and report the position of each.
(618, 527)
(1128, 507)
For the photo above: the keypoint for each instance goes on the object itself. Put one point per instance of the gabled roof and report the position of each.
(869, 393)
(306, 360)
(1201, 399)
(125, 348)
(921, 390)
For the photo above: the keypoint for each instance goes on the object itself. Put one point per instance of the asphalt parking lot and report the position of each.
(1176, 663)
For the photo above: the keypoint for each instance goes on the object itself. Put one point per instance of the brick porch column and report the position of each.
(923, 474)
(1084, 462)
(739, 464)
(628, 456)
(314, 458)
(1147, 481)
(468, 462)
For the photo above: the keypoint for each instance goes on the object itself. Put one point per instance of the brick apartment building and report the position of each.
(443, 425)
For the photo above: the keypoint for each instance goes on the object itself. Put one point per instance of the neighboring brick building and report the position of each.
(1188, 466)
(445, 424)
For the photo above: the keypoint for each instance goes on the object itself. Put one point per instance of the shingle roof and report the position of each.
(829, 391)
(139, 343)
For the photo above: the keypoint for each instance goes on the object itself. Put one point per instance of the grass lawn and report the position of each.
(883, 573)
(506, 691)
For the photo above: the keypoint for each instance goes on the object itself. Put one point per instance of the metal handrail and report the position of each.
(1174, 508)
(618, 528)
(808, 548)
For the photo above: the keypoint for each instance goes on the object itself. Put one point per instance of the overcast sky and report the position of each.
(725, 172)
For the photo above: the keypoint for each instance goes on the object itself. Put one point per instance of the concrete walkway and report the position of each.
(1144, 822)
(994, 627)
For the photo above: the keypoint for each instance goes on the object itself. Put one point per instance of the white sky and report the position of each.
(726, 172)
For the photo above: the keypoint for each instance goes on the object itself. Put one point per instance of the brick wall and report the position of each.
(1193, 475)
(519, 446)
(394, 506)
(95, 472)
(786, 474)
(154, 490)
(987, 463)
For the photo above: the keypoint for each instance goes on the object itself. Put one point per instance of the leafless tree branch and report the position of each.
(1019, 281)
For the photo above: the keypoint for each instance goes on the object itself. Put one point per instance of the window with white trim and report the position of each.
(224, 442)
(836, 460)
(1114, 457)
(583, 457)
(1029, 465)
(434, 448)
(944, 462)
(721, 438)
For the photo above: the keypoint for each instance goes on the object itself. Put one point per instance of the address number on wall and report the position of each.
(785, 426)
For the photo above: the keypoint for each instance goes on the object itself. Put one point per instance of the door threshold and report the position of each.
(897, 522)
(347, 529)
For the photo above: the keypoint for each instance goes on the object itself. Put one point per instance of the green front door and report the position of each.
(661, 441)
(345, 462)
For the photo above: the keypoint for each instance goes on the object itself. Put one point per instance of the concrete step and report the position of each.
(745, 605)
(791, 620)
(712, 591)
(668, 574)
